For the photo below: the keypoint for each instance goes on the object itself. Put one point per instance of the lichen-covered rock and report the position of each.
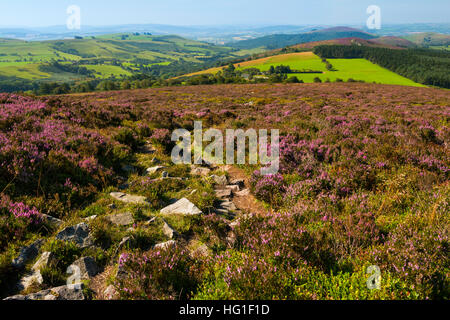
(87, 267)
(78, 234)
(67, 292)
(165, 245)
(121, 219)
(27, 254)
(183, 206)
(128, 198)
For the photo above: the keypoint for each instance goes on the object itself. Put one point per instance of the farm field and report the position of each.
(357, 69)
(21, 59)
(363, 180)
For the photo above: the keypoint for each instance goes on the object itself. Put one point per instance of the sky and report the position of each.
(38, 13)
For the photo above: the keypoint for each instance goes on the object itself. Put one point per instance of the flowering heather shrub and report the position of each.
(418, 254)
(21, 211)
(363, 181)
(269, 188)
(166, 274)
(161, 136)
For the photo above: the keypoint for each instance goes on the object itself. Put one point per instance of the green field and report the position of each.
(357, 69)
(108, 55)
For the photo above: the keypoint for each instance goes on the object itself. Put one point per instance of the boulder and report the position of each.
(243, 193)
(44, 261)
(238, 182)
(223, 193)
(200, 171)
(88, 267)
(67, 292)
(27, 254)
(234, 188)
(227, 205)
(121, 219)
(127, 198)
(30, 279)
(168, 230)
(183, 206)
(78, 234)
(219, 180)
(52, 220)
(165, 245)
(154, 169)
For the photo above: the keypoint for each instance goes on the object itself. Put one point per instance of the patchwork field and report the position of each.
(357, 69)
(21, 59)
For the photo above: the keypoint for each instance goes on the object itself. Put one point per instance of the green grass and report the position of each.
(359, 69)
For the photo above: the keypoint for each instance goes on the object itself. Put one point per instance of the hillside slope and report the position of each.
(284, 40)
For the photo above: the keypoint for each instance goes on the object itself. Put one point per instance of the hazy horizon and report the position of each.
(213, 13)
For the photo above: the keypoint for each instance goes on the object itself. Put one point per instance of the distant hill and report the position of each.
(394, 42)
(426, 39)
(283, 40)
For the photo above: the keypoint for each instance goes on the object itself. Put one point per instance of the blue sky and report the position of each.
(220, 12)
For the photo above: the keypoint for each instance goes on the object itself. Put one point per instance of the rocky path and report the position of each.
(234, 199)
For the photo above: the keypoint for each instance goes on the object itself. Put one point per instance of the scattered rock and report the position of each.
(44, 261)
(223, 193)
(238, 182)
(243, 193)
(183, 206)
(154, 169)
(52, 220)
(234, 188)
(90, 218)
(200, 171)
(88, 267)
(165, 174)
(124, 243)
(227, 205)
(165, 245)
(78, 234)
(168, 230)
(67, 292)
(149, 222)
(112, 206)
(27, 254)
(219, 180)
(147, 149)
(121, 219)
(127, 198)
(30, 279)
(111, 293)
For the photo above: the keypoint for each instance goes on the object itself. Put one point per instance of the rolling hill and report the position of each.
(104, 56)
(283, 40)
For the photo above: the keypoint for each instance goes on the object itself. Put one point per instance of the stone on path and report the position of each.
(121, 219)
(183, 206)
(234, 188)
(238, 182)
(243, 193)
(220, 180)
(200, 171)
(128, 198)
(223, 193)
